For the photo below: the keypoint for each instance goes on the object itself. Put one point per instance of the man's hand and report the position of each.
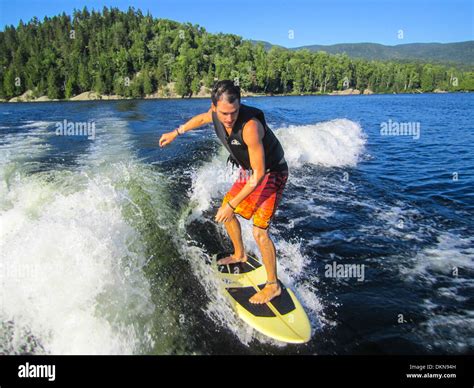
(224, 213)
(167, 138)
(195, 122)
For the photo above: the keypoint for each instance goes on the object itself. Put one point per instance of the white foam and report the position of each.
(307, 206)
(71, 264)
(17, 150)
(36, 124)
(335, 143)
(451, 332)
(24, 145)
(442, 268)
(209, 181)
(399, 221)
(218, 308)
(450, 251)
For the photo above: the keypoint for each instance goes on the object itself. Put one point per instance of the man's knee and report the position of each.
(260, 234)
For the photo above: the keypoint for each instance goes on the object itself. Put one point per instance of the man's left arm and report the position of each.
(252, 134)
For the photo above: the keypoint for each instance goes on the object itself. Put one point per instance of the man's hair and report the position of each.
(226, 89)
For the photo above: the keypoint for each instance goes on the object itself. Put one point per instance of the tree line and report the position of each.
(131, 54)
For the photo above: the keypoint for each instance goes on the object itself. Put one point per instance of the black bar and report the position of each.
(313, 371)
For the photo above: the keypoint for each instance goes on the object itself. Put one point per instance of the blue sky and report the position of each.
(290, 23)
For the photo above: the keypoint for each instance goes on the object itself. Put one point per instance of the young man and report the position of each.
(251, 144)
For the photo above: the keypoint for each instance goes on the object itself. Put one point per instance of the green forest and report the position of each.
(132, 55)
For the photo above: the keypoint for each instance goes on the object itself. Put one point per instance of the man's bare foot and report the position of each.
(265, 295)
(232, 259)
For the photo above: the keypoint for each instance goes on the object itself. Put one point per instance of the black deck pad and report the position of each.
(242, 296)
(237, 268)
(283, 303)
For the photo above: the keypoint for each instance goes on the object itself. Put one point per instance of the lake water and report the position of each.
(105, 239)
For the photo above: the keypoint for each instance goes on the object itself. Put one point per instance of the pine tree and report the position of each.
(53, 85)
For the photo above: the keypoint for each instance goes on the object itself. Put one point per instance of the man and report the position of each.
(251, 144)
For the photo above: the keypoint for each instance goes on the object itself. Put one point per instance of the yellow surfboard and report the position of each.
(283, 318)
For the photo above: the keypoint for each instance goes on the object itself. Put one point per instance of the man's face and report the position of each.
(226, 112)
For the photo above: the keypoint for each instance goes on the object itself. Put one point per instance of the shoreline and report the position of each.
(92, 96)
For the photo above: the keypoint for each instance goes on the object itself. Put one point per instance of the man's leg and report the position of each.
(235, 233)
(268, 252)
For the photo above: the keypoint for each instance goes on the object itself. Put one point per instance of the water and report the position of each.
(105, 241)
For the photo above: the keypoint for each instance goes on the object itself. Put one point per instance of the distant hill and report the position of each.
(458, 53)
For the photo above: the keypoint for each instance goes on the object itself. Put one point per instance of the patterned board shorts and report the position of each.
(263, 201)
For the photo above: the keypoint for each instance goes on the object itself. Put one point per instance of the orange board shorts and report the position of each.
(263, 201)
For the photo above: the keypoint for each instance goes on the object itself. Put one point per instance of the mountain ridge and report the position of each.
(461, 53)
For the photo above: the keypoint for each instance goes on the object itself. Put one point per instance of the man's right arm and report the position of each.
(195, 122)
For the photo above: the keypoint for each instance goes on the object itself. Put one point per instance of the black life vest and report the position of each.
(239, 154)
